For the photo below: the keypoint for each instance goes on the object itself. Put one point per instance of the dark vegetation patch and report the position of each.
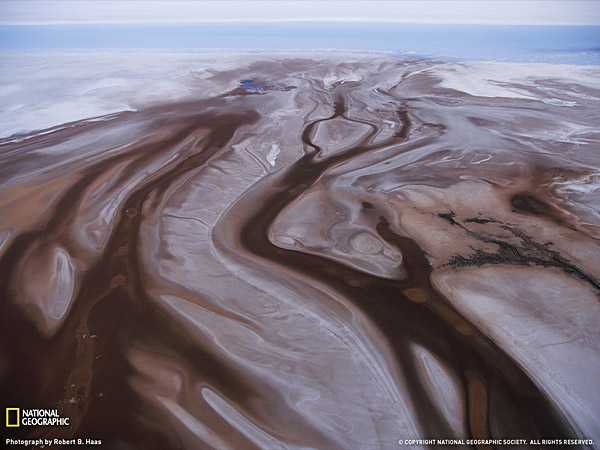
(529, 204)
(525, 252)
(367, 205)
(481, 220)
(449, 216)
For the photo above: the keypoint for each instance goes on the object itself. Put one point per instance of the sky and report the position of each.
(409, 11)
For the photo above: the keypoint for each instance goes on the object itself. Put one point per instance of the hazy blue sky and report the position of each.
(425, 11)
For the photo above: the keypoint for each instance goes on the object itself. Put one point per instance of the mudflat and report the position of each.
(309, 251)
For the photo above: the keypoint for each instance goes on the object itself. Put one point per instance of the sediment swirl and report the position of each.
(309, 260)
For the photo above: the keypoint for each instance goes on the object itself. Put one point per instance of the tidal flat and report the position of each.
(291, 251)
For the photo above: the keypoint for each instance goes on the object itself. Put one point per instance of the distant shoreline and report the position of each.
(514, 43)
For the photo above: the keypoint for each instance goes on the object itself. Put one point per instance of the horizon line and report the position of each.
(292, 20)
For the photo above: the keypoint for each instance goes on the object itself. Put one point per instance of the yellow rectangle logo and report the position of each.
(13, 417)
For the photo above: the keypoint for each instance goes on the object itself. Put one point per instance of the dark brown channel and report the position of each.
(433, 324)
(113, 306)
(85, 361)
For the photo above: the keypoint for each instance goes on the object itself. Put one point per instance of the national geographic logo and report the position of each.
(13, 417)
(17, 417)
